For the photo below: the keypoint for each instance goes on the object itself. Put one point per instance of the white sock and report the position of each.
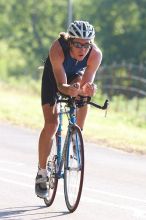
(42, 172)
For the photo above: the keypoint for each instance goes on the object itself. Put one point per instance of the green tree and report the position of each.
(120, 27)
(31, 26)
(27, 28)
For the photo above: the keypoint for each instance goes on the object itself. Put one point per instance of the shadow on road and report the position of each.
(25, 211)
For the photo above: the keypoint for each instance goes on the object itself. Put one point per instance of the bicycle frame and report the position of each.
(60, 151)
(72, 121)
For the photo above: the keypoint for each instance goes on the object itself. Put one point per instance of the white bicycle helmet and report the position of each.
(81, 29)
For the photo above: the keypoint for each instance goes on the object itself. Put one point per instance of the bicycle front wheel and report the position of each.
(53, 180)
(74, 168)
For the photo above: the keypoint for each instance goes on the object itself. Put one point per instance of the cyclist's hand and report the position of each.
(89, 89)
(70, 90)
(74, 89)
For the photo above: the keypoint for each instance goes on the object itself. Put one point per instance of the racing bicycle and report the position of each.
(66, 159)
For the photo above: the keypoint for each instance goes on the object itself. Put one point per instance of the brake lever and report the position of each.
(105, 106)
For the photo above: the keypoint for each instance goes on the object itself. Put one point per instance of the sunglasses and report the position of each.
(79, 45)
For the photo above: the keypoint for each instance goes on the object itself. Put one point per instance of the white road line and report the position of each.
(85, 188)
(114, 195)
(135, 211)
(16, 182)
(83, 198)
(20, 173)
(11, 162)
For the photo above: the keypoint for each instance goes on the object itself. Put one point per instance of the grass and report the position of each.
(113, 131)
(125, 129)
(20, 106)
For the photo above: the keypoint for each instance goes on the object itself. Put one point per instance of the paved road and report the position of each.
(114, 188)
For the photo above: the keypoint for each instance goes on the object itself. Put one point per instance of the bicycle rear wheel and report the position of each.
(53, 181)
(74, 169)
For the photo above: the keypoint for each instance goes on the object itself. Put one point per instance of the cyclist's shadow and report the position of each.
(25, 211)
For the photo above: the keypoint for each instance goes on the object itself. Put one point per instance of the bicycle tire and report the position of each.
(74, 163)
(53, 180)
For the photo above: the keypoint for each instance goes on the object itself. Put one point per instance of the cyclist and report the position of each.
(70, 69)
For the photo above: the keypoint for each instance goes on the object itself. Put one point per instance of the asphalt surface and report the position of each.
(114, 186)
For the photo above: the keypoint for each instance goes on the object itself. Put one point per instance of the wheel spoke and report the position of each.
(74, 169)
(53, 181)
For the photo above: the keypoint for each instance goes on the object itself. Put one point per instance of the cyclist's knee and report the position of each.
(51, 127)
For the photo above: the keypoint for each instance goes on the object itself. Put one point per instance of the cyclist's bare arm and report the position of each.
(57, 58)
(87, 87)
